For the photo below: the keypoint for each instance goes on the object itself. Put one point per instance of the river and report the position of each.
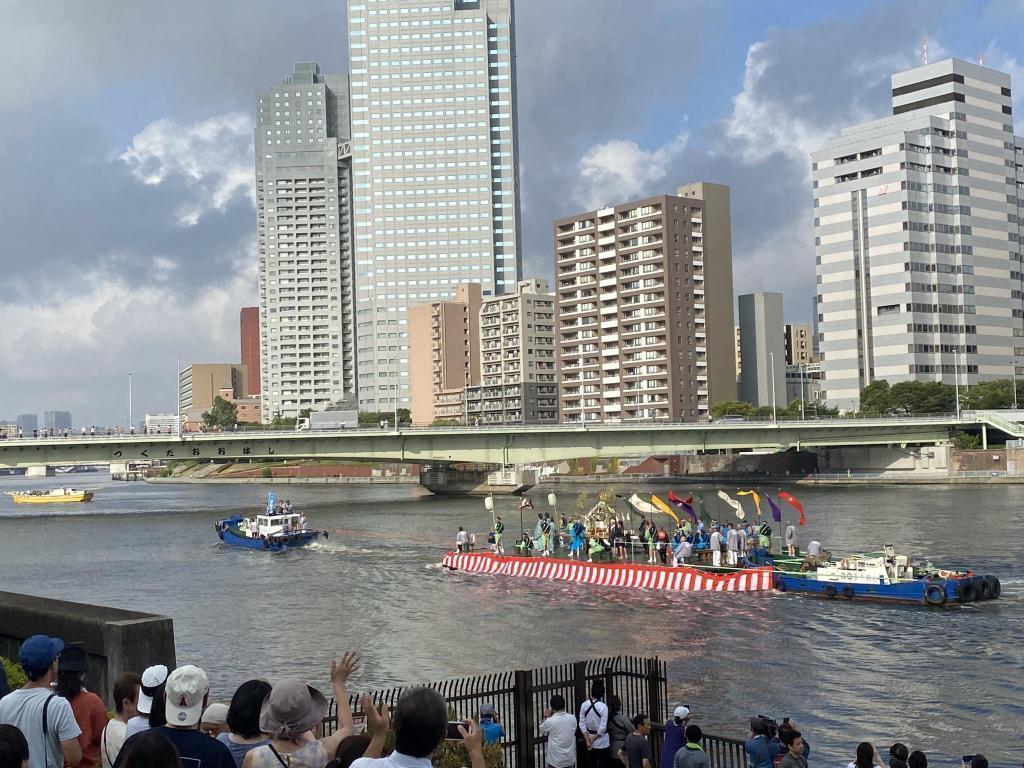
(947, 682)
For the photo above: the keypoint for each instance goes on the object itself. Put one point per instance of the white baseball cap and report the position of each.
(186, 692)
(152, 679)
(681, 713)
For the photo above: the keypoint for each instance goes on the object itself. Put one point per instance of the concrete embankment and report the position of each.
(300, 473)
(285, 480)
(720, 480)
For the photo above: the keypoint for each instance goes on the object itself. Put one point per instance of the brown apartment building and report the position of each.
(645, 308)
(444, 355)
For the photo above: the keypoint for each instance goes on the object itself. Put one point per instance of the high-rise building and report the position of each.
(444, 359)
(436, 181)
(799, 344)
(638, 285)
(57, 419)
(200, 383)
(249, 333)
(28, 422)
(518, 383)
(918, 237)
(303, 191)
(762, 349)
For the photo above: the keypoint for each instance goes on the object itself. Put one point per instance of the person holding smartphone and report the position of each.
(867, 757)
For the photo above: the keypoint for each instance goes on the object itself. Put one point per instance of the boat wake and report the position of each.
(336, 547)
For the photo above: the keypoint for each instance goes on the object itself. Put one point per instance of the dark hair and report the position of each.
(979, 761)
(758, 726)
(558, 702)
(69, 684)
(917, 759)
(150, 749)
(614, 705)
(693, 733)
(126, 686)
(419, 720)
(639, 720)
(13, 747)
(597, 689)
(790, 735)
(244, 710)
(350, 749)
(899, 751)
(158, 711)
(865, 755)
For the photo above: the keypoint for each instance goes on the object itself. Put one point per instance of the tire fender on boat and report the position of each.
(780, 585)
(966, 591)
(984, 589)
(935, 594)
(995, 587)
(848, 592)
(830, 590)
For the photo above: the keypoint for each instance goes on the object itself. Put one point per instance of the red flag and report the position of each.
(676, 500)
(792, 500)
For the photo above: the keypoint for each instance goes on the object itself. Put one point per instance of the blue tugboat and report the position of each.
(888, 577)
(274, 530)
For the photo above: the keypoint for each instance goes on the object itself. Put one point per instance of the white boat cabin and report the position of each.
(271, 525)
(875, 568)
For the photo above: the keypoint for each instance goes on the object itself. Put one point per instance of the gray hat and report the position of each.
(291, 708)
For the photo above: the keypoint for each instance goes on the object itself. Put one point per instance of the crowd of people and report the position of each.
(166, 719)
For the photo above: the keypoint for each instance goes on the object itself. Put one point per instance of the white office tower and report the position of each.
(303, 190)
(436, 199)
(917, 236)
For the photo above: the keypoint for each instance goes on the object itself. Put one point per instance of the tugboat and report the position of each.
(274, 530)
(885, 576)
(53, 496)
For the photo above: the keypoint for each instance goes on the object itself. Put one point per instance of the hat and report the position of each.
(74, 658)
(215, 714)
(681, 713)
(38, 653)
(486, 710)
(291, 708)
(186, 692)
(152, 679)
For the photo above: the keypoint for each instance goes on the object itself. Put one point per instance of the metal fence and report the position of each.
(521, 696)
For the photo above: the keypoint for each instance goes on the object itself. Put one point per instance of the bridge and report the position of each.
(506, 445)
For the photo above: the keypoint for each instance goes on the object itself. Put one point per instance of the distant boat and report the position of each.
(52, 496)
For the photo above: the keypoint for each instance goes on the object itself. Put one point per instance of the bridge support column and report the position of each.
(445, 479)
(39, 471)
(984, 437)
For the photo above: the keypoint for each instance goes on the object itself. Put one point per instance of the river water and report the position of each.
(947, 682)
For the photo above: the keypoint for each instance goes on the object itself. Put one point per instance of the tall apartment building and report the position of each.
(444, 359)
(200, 383)
(762, 349)
(57, 419)
(249, 336)
(643, 288)
(436, 197)
(518, 383)
(799, 344)
(303, 193)
(917, 224)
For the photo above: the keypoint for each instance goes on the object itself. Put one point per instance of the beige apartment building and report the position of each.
(645, 308)
(799, 344)
(444, 355)
(517, 343)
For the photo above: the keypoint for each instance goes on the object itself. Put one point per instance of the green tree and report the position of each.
(280, 422)
(988, 395)
(404, 416)
(732, 408)
(968, 442)
(920, 397)
(445, 423)
(580, 507)
(614, 466)
(222, 414)
(574, 466)
(876, 398)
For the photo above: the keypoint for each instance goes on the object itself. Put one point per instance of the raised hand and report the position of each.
(342, 670)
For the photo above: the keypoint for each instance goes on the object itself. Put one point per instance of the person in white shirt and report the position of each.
(790, 539)
(593, 724)
(715, 544)
(126, 697)
(462, 540)
(560, 728)
(813, 548)
(732, 544)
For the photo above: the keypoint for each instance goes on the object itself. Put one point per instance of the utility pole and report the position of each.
(800, 367)
(956, 379)
(130, 401)
(1015, 383)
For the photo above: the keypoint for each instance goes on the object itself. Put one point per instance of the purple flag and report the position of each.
(776, 512)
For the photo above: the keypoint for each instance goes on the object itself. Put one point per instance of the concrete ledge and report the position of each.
(115, 640)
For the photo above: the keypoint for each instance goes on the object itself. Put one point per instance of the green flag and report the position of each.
(704, 516)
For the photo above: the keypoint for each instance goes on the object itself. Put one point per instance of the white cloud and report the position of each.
(616, 170)
(214, 157)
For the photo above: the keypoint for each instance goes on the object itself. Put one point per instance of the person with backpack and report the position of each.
(594, 727)
(44, 718)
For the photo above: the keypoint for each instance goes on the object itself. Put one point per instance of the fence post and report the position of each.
(523, 698)
(654, 702)
(579, 685)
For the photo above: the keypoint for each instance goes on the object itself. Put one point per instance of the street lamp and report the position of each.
(129, 401)
(800, 368)
(956, 379)
(1015, 383)
(771, 373)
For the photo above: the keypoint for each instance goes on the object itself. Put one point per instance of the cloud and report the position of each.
(615, 171)
(213, 156)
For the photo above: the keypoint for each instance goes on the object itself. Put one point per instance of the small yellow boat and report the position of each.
(52, 496)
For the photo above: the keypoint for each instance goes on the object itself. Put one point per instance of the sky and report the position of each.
(126, 169)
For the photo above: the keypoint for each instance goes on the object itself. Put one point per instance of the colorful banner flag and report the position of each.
(776, 512)
(685, 504)
(526, 503)
(271, 499)
(790, 499)
(736, 506)
(757, 499)
(663, 507)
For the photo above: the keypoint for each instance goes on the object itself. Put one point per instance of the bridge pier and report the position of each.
(448, 479)
(39, 470)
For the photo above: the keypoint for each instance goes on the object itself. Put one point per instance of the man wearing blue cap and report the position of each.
(45, 719)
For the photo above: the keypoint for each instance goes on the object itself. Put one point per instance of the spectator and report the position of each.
(151, 749)
(778, 746)
(5, 687)
(594, 727)
(637, 752)
(760, 753)
(13, 748)
(917, 759)
(186, 695)
(90, 713)
(214, 721)
(560, 728)
(619, 726)
(979, 761)
(675, 734)
(351, 748)
(692, 755)
(126, 697)
(31, 705)
(795, 756)
(898, 754)
(493, 732)
(867, 757)
(244, 733)
(151, 702)
(292, 711)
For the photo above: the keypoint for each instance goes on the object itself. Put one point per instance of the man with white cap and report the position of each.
(186, 695)
(153, 680)
(675, 734)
